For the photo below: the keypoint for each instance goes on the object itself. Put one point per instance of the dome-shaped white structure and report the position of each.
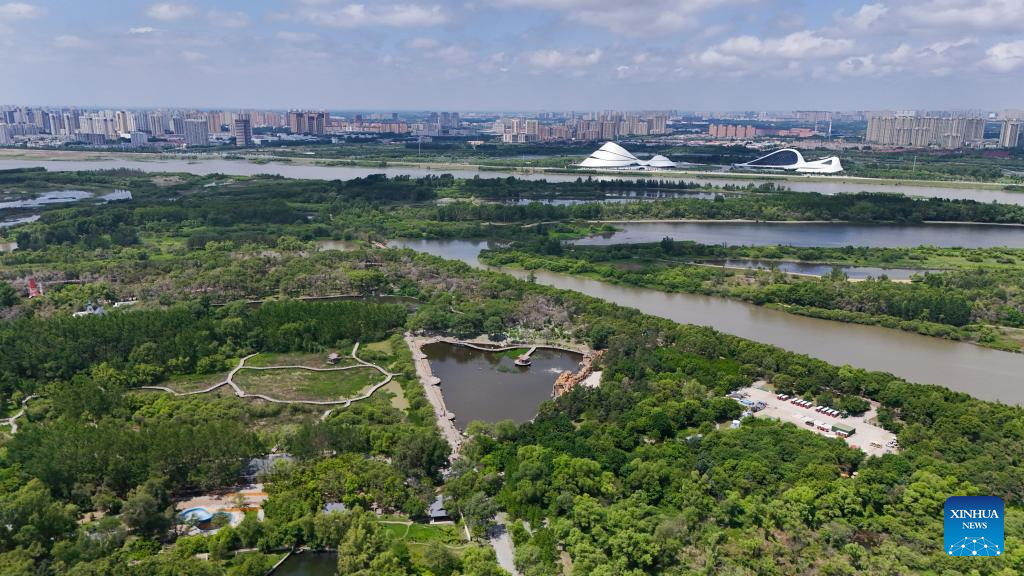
(791, 159)
(611, 156)
(659, 161)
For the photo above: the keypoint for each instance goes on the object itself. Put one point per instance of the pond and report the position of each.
(818, 268)
(488, 386)
(17, 221)
(809, 234)
(981, 372)
(62, 197)
(309, 564)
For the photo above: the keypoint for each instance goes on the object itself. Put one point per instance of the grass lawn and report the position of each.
(384, 346)
(312, 360)
(445, 533)
(298, 384)
(449, 534)
(398, 401)
(193, 382)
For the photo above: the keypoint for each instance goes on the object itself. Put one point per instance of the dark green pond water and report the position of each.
(488, 386)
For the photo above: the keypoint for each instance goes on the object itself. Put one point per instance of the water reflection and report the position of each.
(834, 235)
(819, 269)
(488, 386)
(309, 564)
(982, 372)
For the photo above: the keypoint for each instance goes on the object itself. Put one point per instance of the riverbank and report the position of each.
(755, 221)
(681, 278)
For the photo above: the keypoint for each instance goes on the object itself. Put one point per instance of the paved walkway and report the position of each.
(230, 381)
(501, 541)
(433, 391)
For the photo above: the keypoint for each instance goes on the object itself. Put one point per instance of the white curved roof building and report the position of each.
(611, 156)
(791, 159)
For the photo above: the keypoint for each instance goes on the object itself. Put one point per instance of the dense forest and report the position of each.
(260, 209)
(642, 475)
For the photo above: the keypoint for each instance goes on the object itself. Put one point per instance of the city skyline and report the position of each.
(515, 54)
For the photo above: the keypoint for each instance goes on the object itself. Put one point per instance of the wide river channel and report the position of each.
(982, 372)
(314, 172)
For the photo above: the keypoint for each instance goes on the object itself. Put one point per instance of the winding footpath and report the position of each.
(13, 420)
(344, 402)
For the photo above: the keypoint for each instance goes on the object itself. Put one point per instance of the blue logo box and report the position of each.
(973, 526)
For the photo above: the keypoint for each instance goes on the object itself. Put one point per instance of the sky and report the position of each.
(495, 55)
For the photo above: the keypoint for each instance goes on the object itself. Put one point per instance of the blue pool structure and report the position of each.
(197, 515)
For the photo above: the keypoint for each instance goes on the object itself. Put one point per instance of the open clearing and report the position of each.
(194, 382)
(399, 400)
(783, 410)
(299, 384)
(311, 360)
(382, 346)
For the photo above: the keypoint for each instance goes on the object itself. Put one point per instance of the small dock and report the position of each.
(524, 359)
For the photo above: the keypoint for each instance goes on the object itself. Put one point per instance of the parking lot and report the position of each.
(870, 438)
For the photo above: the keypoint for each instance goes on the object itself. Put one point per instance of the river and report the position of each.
(982, 372)
(313, 172)
(824, 235)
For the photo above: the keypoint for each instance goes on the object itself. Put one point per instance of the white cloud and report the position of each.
(865, 18)
(803, 45)
(69, 41)
(1004, 57)
(423, 43)
(230, 19)
(628, 18)
(167, 11)
(192, 56)
(454, 54)
(900, 54)
(945, 47)
(864, 66)
(560, 59)
(139, 30)
(297, 37)
(359, 15)
(19, 11)
(980, 14)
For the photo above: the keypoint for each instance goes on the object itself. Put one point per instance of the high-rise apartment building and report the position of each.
(742, 132)
(242, 131)
(196, 132)
(307, 122)
(1010, 134)
(923, 131)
